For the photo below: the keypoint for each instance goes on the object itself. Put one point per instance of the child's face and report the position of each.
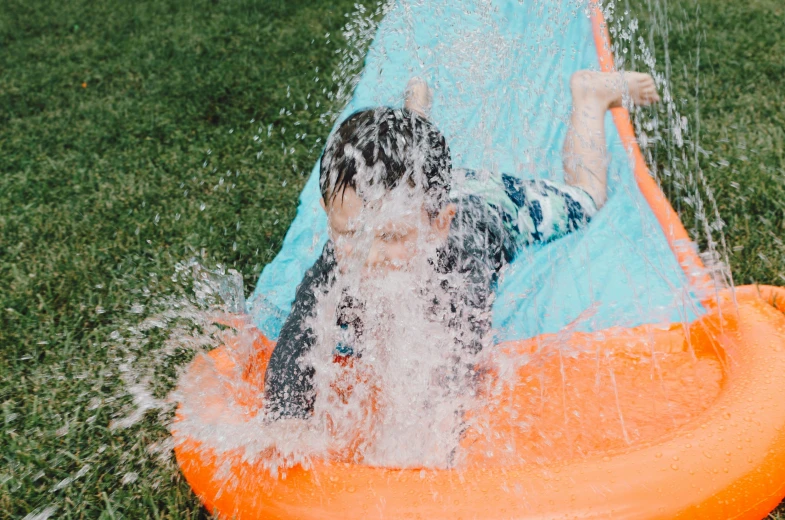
(384, 234)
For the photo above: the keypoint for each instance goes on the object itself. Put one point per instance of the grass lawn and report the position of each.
(128, 143)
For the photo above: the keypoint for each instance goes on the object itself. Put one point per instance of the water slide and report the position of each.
(629, 281)
(500, 73)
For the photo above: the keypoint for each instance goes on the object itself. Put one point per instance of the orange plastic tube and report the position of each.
(727, 463)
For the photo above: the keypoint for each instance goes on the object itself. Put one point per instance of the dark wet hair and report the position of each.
(408, 146)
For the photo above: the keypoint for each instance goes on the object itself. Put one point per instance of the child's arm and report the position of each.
(476, 249)
(288, 384)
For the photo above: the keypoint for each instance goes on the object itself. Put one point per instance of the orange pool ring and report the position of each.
(726, 462)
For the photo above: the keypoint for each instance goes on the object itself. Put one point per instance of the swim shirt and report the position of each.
(497, 216)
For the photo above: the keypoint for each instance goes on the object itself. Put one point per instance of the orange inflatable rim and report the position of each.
(728, 463)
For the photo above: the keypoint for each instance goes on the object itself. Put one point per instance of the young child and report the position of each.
(382, 159)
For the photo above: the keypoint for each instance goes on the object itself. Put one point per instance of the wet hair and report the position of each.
(389, 147)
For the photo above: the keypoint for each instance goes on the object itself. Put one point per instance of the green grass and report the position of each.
(726, 63)
(119, 120)
(101, 194)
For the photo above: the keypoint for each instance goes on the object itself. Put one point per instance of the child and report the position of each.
(386, 179)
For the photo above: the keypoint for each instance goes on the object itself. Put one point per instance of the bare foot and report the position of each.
(609, 89)
(418, 97)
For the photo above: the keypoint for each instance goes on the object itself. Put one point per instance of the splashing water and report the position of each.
(412, 395)
(409, 377)
(398, 399)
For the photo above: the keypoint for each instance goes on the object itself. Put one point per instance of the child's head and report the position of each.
(385, 181)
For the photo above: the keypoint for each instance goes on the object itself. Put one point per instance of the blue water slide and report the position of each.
(500, 73)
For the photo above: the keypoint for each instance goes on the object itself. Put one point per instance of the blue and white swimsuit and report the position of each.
(497, 216)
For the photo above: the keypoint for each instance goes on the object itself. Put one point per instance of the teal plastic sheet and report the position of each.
(500, 74)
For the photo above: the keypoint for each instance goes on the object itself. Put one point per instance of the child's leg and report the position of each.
(593, 93)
